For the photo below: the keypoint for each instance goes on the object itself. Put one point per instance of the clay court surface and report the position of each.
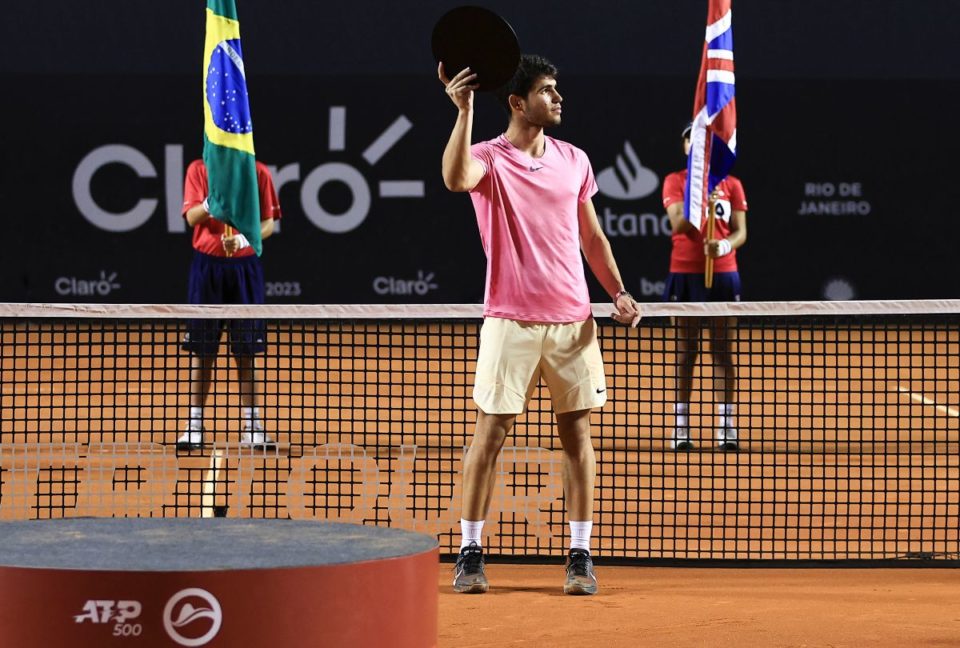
(653, 606)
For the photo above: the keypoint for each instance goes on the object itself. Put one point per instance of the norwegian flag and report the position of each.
(713, 137)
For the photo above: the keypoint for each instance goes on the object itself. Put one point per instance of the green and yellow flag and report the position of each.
(227, 127)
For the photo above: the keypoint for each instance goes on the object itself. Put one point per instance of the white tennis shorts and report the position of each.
(514, 355)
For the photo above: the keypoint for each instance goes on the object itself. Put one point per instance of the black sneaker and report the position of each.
(468, 576)
(580, 577)
(681, 439)
(727, 439)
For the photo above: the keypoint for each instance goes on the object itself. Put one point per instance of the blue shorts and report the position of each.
(689, 287)
(220, 280)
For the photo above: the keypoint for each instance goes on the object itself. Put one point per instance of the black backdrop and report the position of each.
(846, 145)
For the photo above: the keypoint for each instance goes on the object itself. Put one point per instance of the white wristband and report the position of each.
(724, 248)
(242, 241)
(206, 207)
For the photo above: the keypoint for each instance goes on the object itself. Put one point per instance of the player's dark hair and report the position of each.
(531, 68)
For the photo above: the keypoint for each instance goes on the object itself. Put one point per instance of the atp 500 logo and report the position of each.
(121, 614)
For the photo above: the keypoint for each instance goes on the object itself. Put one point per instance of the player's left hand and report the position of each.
(628, 310)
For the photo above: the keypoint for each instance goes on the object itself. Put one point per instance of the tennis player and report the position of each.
(532, 197)
(225, 270)
(685, 283)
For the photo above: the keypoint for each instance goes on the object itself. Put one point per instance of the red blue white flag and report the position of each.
(713, 136)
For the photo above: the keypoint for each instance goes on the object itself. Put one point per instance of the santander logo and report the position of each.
(628, 179)
(192, 617)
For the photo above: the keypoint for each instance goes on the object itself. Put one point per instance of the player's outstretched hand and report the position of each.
(628, 310)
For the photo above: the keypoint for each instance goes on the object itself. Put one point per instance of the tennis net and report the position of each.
(846, 413)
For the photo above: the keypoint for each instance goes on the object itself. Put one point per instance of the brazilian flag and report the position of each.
(227, 127)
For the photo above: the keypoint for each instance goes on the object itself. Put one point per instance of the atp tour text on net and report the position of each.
(529, 483)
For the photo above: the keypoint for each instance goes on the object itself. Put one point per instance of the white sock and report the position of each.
(725, 415)
(196, 418)
(470, 532)
(681, 410)
(580, 534)
(251, 417)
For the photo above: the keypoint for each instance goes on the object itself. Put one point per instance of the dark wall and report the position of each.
(878, 39)
(845, 143)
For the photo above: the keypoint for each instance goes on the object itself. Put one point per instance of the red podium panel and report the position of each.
(275, 583)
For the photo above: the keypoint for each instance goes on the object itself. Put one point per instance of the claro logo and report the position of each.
(106, 284)
(355, 177)
(397, 286)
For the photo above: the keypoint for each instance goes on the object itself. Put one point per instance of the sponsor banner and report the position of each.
(95, 211)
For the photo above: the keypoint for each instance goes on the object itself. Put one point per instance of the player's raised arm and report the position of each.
(461, 172)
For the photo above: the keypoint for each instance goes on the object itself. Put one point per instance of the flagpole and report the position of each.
(711, 220)
(228, 151)
(228, 232)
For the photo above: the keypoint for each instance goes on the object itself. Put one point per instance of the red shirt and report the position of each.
(207, 234)
(687, 254)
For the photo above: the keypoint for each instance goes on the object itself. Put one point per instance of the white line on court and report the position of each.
(920, 398)
(208, 498)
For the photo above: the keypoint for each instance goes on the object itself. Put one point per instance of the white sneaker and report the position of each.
(256, 438)
(681, 439)
(727, 439)
(190, 440)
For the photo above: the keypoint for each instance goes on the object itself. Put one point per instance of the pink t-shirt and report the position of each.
(527, 212)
